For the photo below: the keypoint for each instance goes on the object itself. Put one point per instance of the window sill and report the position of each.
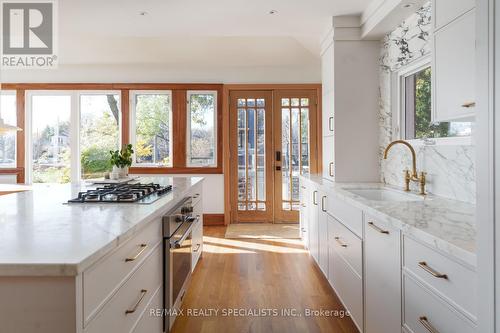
(171, 170)
(455, 141)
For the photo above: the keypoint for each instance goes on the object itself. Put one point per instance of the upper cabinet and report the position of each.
(453, 60)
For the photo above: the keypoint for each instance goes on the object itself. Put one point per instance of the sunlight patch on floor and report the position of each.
(224, 245)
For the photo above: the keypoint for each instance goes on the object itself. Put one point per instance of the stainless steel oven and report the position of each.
(177, 247)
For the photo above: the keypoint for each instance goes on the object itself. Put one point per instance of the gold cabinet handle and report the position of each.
(143, 293)
(425, 323)
(323, 203)
(374, 226)
(330, 169)
(431, 271)
(315, 202)
(330, 124)
(197, 248)
(469, 104)
(143, 248)
(340, 242)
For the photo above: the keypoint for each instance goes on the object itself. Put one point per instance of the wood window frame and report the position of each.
(179, 115)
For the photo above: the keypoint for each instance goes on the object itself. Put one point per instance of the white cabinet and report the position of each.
(305, 203)
(382, 277)
(328, 158)
(313, 224)
(343, 277)
(197, 233)
(454, 70)
(445, 11)
(323, 232)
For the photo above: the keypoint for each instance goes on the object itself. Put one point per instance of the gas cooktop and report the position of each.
(123, 193)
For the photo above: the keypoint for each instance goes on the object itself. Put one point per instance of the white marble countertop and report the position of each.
(444, 224)
(41, 235)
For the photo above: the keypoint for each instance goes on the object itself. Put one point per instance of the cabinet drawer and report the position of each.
(422, 308)
(349, 287)
(196, 194)
(150, 323)
(346, 244)
(197, 243)
(134, 295)
(348, 215)
(104, 277)
(446, 11)
(459, 285)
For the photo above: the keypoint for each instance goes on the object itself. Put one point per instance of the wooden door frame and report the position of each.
(281, 216)
(252, 216)
(226, 129)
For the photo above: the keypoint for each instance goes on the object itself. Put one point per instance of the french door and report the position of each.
(272, 141)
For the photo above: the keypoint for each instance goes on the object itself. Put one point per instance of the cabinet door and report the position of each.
(328, 112)
(331, 248)
(382, 277)
(446, 11)
(328, 158)
(304, 213)
(323, 232)
(313, 225)
(454, 70)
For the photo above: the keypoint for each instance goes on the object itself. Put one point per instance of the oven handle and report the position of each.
(190, 220)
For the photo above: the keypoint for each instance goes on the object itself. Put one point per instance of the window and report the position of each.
(416, 102)
(8, 112)
(72, 133)
(151, 128)
(202, 129)
(99, 132)
(51, 138)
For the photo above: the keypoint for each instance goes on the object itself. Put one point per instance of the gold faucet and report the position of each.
(414, 175)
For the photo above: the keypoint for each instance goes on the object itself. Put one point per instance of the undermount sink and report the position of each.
(384, 194)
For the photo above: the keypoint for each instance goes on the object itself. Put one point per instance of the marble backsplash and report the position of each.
(450, 168)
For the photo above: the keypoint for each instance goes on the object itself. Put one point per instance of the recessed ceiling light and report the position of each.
(273, 11)
(143, 13)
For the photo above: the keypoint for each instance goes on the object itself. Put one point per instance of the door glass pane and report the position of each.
(153, 129)
(304, 137)
(242, 140)
(202, 131)
(285, 153)
(261, 155)
(99, 132)
(51, 139)
(295, 153)
(251, 157)
(8, 139)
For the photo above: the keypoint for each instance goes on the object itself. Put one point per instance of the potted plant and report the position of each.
(121, 160)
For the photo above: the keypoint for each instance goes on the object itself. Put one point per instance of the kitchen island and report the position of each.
(83, 267)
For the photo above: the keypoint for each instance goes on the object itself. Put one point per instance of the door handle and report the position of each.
(330, 124)
(315, 202)
(323, 203)
(278, 156)
(278, 168)
(330, 169)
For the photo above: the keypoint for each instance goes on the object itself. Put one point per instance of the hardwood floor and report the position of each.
(247, 276)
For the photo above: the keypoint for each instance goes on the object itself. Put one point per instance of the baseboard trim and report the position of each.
(213, 219)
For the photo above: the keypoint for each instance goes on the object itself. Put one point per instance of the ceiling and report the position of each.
(97, 31)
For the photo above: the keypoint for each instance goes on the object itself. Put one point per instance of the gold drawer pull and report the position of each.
(469, 104)
(340, 242)
(143, 293)
(143, 248)
(374, 226)
(425, 323)
(197, 248)
(431, 271)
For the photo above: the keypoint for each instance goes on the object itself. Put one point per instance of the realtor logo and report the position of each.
(28, 30)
